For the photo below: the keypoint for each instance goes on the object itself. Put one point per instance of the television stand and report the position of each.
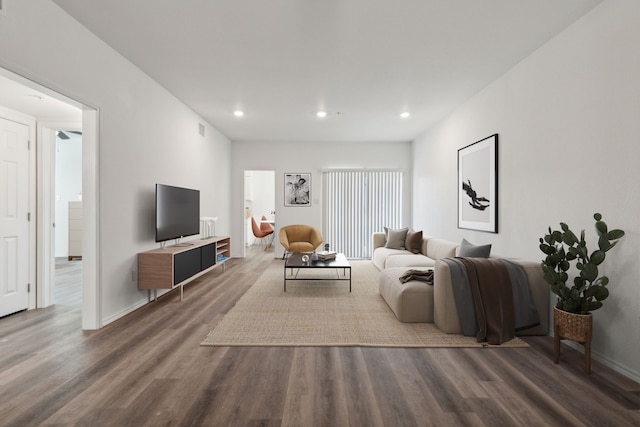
(175, 266)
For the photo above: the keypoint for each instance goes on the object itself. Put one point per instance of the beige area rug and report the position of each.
(324, 313)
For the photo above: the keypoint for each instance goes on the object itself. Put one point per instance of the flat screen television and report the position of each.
(177, 212)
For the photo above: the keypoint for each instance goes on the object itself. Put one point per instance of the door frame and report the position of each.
(91, 308)
(91, 284)
(91, 119)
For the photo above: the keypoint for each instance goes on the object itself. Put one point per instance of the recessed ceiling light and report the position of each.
(405, 115)
(238, 113)
(321, 114)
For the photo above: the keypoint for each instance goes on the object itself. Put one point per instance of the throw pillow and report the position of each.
(386, 233)
(413, 242)
(396, 238)
(474, 251)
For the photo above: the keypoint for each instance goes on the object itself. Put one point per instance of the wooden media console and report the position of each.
(174, 266)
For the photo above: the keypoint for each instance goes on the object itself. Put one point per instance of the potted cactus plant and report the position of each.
(572, 312)
(562, 247)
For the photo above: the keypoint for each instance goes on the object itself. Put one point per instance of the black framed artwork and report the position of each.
(297, 189)
(478, 185)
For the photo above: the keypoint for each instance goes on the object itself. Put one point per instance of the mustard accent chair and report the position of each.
(299, 238)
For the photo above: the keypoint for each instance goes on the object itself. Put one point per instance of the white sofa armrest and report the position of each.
(378, 240)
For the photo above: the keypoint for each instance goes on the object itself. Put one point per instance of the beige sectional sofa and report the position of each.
(417, 301)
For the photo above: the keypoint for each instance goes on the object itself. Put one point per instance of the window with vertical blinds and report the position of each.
(355, 205)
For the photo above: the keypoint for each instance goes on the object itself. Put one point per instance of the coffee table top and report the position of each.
(295, 260)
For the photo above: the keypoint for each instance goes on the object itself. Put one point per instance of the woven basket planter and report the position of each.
(574, 327)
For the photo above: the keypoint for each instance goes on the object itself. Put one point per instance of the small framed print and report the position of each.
(478, 185)
(297, 189)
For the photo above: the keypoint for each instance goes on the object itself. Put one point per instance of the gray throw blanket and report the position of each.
(421, 275)
(492, 297)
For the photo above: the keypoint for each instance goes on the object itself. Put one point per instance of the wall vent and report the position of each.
(201, 125)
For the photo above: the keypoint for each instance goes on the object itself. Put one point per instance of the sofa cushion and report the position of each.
(474, 251)
(381, 254)
(407, 259)
(440, 248)
(396, 238)
(413, 242)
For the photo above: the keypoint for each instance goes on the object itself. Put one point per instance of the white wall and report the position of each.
(146, 136)
(568, 125)
(291, 157)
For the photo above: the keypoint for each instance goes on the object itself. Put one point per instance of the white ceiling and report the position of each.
(36, 101)
(363, 61)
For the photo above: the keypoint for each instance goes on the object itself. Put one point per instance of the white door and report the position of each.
(14, 221)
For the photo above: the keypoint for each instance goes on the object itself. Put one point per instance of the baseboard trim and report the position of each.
(131, 308)
(621, 369)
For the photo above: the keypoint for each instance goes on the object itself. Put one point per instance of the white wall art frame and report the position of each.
(297, 189)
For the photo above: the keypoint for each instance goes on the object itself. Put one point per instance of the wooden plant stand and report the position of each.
(574, 327)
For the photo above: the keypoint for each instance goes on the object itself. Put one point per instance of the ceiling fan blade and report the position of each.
(64, 134)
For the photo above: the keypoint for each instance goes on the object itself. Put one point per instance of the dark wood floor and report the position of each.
(147, 369)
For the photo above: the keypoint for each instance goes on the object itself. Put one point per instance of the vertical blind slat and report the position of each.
(356, 204)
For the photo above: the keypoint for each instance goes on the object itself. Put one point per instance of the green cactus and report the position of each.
(562, 247)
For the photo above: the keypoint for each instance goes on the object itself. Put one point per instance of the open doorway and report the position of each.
(50, 112)
(259, 199)
(58, 164)
(67, 285)
(68, 195)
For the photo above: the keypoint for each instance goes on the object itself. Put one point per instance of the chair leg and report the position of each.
(269, 242)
